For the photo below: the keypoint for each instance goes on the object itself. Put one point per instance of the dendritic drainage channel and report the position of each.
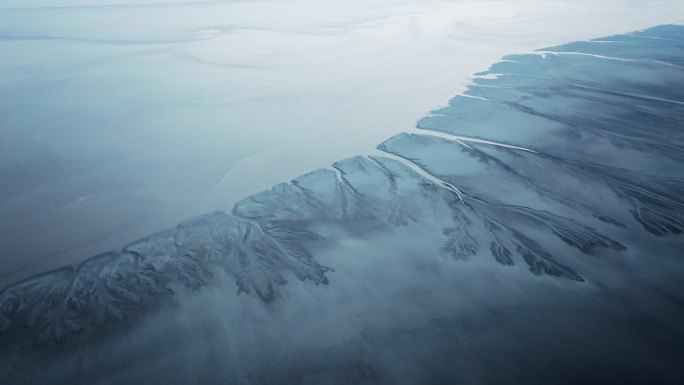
(580, 143)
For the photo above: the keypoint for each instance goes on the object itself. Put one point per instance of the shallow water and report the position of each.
(530, 232)
(118, 121)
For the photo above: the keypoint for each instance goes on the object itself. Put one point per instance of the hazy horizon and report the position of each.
(120, 121)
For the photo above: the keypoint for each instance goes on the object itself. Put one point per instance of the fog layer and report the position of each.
(531, 233)
(120, 120)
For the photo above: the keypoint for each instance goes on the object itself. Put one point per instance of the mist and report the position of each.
(360, 192)
(121, 119)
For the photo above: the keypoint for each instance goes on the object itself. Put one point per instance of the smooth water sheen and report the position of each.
(120, 120)
(536, 240)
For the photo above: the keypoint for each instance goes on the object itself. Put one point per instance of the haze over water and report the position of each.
(119, 121)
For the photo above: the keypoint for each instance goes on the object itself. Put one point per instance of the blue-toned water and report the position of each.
(120, 118)
(529, 232)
